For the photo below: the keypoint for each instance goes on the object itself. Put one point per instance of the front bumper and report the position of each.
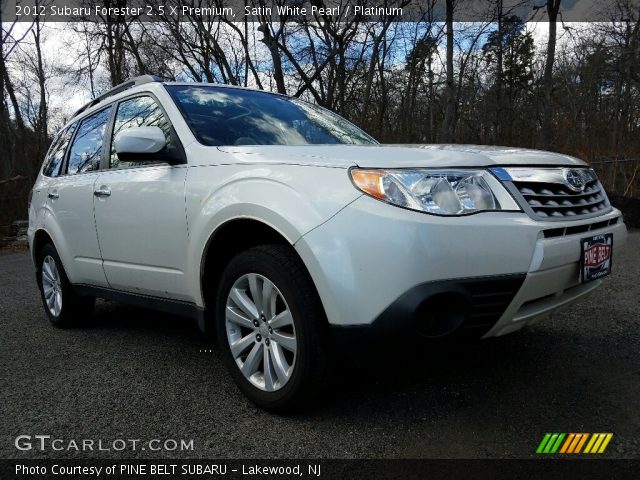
(370, 257)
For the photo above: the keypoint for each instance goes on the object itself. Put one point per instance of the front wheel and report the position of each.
(271, 328)
(63, 306)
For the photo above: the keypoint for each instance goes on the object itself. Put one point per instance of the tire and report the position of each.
(67, 309)
(297, 348)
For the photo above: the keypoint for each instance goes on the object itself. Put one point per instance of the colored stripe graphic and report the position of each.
(591, 442)
(572, 443)
(577, 440)
(605, 443)
(550, 443)
(568, 443)
(598, 442)
(581, 442)
(555, 447)
(543, 443)
(552, 440)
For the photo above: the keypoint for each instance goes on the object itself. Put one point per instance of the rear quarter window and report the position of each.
(55, 156)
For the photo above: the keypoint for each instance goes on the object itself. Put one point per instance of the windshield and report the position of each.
(228, 116)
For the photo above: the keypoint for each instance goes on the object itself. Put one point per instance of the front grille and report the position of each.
(556, 200)
(546, 193)
(562, 231)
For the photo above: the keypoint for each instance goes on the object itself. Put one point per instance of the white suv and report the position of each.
(287, 231)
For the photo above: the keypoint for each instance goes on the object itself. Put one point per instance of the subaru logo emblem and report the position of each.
(574, 179)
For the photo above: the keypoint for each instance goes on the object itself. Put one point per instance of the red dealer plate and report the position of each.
(595, 257)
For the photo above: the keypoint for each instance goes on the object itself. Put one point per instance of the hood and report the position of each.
(397, 156)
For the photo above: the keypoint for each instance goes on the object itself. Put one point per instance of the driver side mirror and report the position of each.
(139, 143)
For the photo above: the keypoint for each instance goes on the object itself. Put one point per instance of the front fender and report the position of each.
(291, 199)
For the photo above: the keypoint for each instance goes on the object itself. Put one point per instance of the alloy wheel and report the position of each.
(261, 332)
(51, 285)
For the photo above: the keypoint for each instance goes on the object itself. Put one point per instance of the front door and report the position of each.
(140, 213)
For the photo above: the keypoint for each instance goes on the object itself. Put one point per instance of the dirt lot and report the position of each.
(136, 374)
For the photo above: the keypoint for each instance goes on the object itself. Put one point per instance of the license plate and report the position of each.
(595, 258)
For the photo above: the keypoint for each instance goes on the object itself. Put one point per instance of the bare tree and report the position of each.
(553, 7)
(446, 133)
(11, 129)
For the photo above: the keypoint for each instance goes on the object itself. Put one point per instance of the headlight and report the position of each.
(441, 192)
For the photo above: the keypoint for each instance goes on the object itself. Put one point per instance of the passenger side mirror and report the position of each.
(140, 143)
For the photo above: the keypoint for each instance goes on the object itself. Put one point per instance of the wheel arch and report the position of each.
(40, 238)
(230, 238)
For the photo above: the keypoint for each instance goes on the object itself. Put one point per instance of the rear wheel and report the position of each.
(63, 306)
(271, 328)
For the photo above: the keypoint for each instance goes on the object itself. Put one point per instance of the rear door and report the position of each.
(70, 200)
(140, 212)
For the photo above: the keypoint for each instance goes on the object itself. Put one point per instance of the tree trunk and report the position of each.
(553, 6)
(43, 113)
(446, 134)
(377, 39)
(497, 126)
(272, 44)
(5, 144)
(133, 48)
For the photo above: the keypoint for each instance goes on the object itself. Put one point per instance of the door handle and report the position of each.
(102, 192)
(53, 195)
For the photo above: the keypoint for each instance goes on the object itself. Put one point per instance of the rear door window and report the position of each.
(87, 148)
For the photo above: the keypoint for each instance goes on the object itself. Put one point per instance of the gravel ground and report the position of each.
(137, 374)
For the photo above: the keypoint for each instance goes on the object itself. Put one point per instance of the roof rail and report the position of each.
(133, 82)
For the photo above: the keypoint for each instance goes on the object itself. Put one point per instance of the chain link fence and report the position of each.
(621, 178)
